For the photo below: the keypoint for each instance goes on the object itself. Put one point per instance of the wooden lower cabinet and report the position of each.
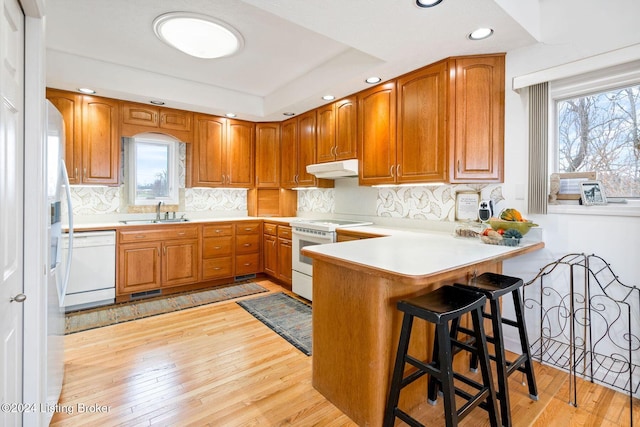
(139, 267)
(217, 251)
(152, 265)
(248, 248)
(180, 264)
(284, 260)
(277, 252)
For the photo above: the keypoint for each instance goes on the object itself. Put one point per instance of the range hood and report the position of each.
(333, 170)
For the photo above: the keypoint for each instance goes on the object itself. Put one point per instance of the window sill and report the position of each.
(631, 209)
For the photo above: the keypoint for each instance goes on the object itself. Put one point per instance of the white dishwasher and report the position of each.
(92, 281)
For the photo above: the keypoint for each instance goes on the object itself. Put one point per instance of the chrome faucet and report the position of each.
(158, 211)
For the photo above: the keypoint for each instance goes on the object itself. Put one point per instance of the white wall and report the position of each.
(571, 30)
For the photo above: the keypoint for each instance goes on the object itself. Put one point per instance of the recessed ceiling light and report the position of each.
(198, 35)
(154, 102)
(328, 97)
(289, 113)
(480, 34)
(231, 115)
(86, 90)
(428, 3)
(373, 80)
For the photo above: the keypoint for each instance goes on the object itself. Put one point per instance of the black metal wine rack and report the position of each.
(588, 323)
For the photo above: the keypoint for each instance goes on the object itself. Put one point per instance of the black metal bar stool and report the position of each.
(494, 286)
(439, 307)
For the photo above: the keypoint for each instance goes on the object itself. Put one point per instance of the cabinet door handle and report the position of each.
(218, 231)
(217, 247)
(217, 268)
(458, 166)
(140, 236)
(247, 264)
(84, 173)
(75, 173)
(181, 233)
(164, 250)
(246, 245)
(391, 171)
(398, 170)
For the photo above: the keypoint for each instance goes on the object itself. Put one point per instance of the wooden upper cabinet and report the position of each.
(267, 155)
(421, 133)
(240, 154)
(326, 134)
(377, 134)
(138, 118)
(336, 131)
(306, 147)
(70, 105)
(100, 141)
(223, 152)
(477, 119)
(289, 153)
(346, 118)
(208, 151)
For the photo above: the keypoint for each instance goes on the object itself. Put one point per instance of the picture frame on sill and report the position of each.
(566, 186)
(592, 193)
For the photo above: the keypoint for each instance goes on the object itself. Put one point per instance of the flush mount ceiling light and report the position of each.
(86, 90)
(198, 35)
(328, 97)
(373, 80)
(480, 34)
(230, 115)
(154, 102)
(428, 3)
(288, 113)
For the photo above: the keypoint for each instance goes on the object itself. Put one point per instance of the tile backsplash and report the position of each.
(435, 203)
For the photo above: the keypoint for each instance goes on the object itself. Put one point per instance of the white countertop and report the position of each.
(414, 253)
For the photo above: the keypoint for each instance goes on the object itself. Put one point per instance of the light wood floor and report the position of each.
(216, 365)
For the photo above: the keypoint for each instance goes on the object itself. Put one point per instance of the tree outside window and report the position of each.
(599, 132)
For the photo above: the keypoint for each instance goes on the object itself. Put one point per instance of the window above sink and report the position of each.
(153, 170)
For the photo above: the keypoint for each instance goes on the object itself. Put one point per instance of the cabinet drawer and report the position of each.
(152, 233)
(217, 267)
(284, 232)
(217, 230)
(246, 243)
(270, 229)
(247, 264)
(217, 246)
(247, 227)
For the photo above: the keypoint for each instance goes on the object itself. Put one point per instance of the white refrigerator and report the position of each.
(58, 274)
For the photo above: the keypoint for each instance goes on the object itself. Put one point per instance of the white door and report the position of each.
(11, 195)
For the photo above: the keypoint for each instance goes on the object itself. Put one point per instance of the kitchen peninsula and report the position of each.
(356, 326)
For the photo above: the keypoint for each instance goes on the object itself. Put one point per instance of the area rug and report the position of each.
(125, 312)
(287, 316)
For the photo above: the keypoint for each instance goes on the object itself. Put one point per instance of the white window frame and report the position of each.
(610, 78)
(172, 173)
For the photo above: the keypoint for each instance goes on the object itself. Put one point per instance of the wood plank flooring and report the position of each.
(216, 365)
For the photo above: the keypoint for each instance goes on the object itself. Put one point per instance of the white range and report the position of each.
(309, 232)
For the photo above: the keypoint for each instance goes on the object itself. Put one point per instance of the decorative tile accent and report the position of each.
(94, 200)
(213, 199)
(319, 200)
(436, 203)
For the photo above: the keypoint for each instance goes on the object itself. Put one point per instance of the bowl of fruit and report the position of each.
(511, 219)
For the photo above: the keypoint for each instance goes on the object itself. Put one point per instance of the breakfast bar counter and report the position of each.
(356, 286)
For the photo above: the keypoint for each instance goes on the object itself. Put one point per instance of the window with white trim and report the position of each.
(153, 171)
(596, 128)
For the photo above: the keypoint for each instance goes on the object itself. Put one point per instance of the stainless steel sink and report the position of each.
(153, 221)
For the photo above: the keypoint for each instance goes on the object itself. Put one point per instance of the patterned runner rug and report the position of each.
(288, 317)
(110, 315)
